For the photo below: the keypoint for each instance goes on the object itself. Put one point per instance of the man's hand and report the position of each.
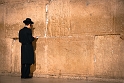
(37, 37)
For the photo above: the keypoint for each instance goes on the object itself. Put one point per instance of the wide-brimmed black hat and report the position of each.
(28, 21)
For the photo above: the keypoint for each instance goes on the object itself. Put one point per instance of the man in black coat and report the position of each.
(27, 51)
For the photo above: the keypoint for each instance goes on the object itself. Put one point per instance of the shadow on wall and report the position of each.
(33, 66)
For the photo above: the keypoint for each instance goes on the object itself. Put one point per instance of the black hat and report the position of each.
(28, 21)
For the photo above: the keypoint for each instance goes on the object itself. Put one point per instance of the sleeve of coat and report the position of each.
(31, 38)
(20, 40)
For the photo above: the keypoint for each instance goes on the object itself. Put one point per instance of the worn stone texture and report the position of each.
(5, 55)
(17, 12)
(5, 45)
(69, 56)
(2, 29)
(109, 56)
(92, 16)
(16, 57)
(119, 17)
(77, 37)
(59, 18)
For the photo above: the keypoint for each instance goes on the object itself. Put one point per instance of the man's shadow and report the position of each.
(33, 66)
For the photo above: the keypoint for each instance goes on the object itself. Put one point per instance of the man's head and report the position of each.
(28, 21)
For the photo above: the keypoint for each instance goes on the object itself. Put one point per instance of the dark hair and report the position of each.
(27, 23)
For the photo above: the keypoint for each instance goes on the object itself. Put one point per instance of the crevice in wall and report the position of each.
(45, 35)
(47, 20)
(106, 34)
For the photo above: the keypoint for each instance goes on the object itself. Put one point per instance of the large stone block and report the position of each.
(40, 66)
(109, 56)
(5, 55)
(58, 18)
(77, 17)
(91, 16)
(17, 12)
(16, 57)
(62, 56)
(72, 54)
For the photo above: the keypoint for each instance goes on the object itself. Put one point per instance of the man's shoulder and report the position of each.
(22, 30)
(25, 30)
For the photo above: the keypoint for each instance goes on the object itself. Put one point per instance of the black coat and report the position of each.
(27, 51)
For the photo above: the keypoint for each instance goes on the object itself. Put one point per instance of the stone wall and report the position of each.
(77, 37)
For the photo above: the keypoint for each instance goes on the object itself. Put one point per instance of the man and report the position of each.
(27, 51)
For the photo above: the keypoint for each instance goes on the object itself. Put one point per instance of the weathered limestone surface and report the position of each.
(16, 55)
(5, 55)
(109, 56)
(2, 21)
(77, 37)
(119, 17)
(5, 45)
(17, 12)
(91, 16)
(66, 56)
(59, 18)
